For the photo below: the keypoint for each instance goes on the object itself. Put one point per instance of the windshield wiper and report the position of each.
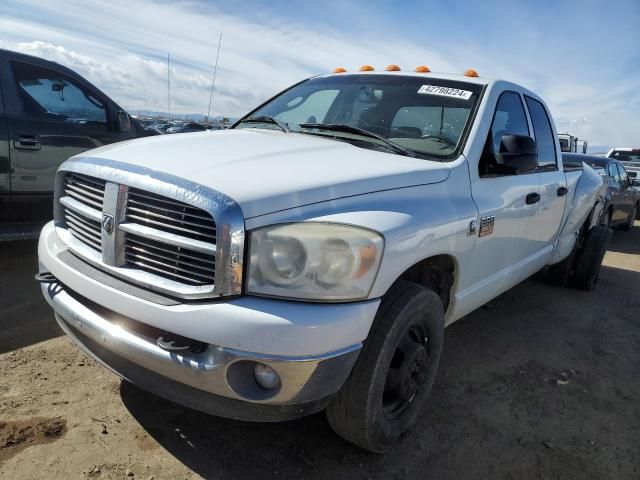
(340, 127)
(266, 119)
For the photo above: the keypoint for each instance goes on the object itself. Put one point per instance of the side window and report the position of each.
(509, 118)
(52, 95)
(313, 109)
(545, 140)
(613, 172)
(623, 174)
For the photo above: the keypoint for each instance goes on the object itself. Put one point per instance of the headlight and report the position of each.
(313, 261)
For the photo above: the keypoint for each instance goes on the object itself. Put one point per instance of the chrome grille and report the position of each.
(169, 216)
(180, 264)
(82, 203)
(181, 242)
(161, 232)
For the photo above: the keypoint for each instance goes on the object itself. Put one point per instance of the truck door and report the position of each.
(552, 183)
(52, 116)
(628, 193)
(5, 166)
(618, 213)
(505, 251)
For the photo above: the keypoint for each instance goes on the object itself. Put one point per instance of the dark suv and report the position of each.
(622, 197)
(47, 114)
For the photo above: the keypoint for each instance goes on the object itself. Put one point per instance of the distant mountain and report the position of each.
(196, 117)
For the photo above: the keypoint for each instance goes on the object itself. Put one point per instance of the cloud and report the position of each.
(122, 46)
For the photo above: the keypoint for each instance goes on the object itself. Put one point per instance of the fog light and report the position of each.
(266, 376)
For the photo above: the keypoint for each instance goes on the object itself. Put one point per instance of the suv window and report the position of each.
(613, 172)
(545, 140)
(509, 118)
(623, 174)
(46, 93)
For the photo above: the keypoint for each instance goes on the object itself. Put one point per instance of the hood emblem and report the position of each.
(107, 223)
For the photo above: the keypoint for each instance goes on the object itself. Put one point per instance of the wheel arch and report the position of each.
(437, 272)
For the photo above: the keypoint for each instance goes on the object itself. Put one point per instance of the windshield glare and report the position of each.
(425, 115)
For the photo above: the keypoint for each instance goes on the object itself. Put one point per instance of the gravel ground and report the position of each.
(540, 383)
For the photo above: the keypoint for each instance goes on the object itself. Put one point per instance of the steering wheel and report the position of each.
(441, 139)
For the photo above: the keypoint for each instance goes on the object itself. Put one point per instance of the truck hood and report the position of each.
(266, 171)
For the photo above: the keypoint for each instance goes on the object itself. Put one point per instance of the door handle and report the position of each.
(533, 198)
(562, 191)
(26, 142)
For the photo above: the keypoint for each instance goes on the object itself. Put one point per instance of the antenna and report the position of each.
(169, 85)
(213, 80)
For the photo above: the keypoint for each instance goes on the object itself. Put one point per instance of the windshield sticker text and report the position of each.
(445, 92)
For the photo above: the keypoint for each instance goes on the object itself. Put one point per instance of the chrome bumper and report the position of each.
(108, 337)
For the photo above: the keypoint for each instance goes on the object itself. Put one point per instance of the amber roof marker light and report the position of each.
(366, 68)
(471, 73)
(392, 68)
(339, 70)
(423, 69)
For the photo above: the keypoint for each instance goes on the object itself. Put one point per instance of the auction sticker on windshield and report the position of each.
(445, 92)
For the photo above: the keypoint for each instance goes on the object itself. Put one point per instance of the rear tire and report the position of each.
(394, 372)
(589, 259)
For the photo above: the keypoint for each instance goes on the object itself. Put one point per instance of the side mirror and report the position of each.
(124, 121)
(518, 154)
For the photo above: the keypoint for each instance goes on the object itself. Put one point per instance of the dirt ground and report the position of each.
(540, 383)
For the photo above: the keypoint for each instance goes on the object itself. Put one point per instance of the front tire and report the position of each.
(628, 225)
(394, 372)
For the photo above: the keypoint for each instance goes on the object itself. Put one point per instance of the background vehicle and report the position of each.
(630, 158)
(623, 200)
(570, 143)
(48, 114)
(310, 257)
(187, 127)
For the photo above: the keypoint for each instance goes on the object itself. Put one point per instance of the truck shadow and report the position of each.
(25, 317)
(523, 386)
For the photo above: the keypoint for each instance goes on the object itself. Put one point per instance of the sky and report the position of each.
(582, 57)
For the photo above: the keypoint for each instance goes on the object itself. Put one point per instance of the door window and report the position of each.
(49, 94)
(623, 175)
(613, 172)
(509, 118)
(545, 140)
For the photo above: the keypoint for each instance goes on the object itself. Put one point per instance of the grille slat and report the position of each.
(165, 258)
(205, 259)
(86, 240)
(149, 204)
(88, 229)
(170, 215)
(194, 267)
(90, 193)
(169, 227)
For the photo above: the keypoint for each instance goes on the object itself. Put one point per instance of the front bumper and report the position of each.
(200, 380)
(220, 379)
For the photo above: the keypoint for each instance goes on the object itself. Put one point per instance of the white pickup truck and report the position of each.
(311, 256)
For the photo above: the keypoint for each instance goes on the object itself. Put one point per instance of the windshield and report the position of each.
(424, 115)
(632, 156)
